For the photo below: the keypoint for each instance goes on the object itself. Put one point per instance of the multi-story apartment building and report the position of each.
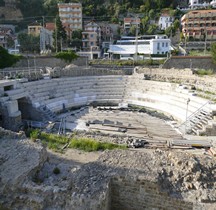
(106, 31)
(34, 29)
(91, 36)
(71, 15)
(129, 22)
(199, 25)
(91, 39)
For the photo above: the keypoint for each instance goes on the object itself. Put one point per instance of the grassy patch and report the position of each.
(53, 142)
(56, 142)
(90, 145)
(202, 72)
(199, 53)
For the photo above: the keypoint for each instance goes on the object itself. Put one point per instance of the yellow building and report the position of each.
(34, 29)
(199, 25)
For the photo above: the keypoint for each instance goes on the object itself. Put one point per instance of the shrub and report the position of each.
(203, 72)
(67, 56)
(34, 134)
(56, 170)
(6, 59)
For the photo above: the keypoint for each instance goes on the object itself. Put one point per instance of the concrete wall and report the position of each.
(181, 62)
(50, 61)
(140, 195)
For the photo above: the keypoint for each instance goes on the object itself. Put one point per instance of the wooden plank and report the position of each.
(213, 151)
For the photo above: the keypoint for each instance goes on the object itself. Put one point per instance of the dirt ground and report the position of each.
(73, 155)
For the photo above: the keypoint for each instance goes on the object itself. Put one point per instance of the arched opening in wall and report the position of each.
(25, 108)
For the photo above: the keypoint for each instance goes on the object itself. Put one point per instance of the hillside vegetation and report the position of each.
(109, 8)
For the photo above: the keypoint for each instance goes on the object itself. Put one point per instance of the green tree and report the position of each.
(152, 29)
(77, 34)
(67, 56)
(213, 52)
(144, 24)
(30, 8)
(132, 31)
(151, 14)
(170, 31)
(10, 42)
(59, 34)
(76, 39)
(176, 24)
(2, 3)
(6, 59)
(50, 7)
(29, 43)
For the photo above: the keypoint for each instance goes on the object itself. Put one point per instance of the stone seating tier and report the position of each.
(70, 92)
(164, 96)
(79, 91)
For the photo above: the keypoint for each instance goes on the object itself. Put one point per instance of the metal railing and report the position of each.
(25, 72)
(187, 120)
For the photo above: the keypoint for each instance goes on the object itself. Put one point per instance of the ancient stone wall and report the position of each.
(137, 194)
(10, 122)
(181, 76)
(76, 72)
(192, 62)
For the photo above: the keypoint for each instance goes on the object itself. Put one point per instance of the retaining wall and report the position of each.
(43, 61)
(181, 62)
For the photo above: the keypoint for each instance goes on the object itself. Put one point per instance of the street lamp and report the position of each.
(186, 119)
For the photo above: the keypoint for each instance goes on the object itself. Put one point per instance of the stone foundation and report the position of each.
(136, 194)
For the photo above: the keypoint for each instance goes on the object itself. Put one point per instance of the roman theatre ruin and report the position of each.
(168, 113)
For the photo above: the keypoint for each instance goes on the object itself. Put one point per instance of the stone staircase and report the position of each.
(197, 121)
(48, 115)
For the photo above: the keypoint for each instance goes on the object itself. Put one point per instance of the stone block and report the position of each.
(12, 107)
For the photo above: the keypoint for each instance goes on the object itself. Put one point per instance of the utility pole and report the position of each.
(186, 118)
(205, 41)
(56, 41)
(185, 42)
(136, 48)
(61, 44)
(43, 35)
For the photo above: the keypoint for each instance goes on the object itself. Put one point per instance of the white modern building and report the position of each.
(144, 46)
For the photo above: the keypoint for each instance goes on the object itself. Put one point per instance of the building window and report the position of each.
(92, 35)
(162, 44)
(166, 44)
(158, 46)
(92, 43)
